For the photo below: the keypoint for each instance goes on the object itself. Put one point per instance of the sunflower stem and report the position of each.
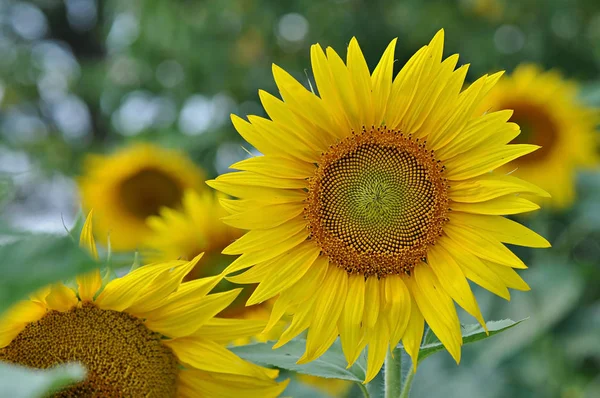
(407, 384)
(364, 390)
(393, 373)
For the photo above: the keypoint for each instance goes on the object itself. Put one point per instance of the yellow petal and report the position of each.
(453, 281)
(225, 330)
(88, 285)
(258, 239)
(265, 217)
(508, 276)
(61, 298)
(330, 301)
(361, 82)
(261, 180)
(378, 345)
(437, 308)
(500, 228)
(209, 356)
(372, 300)
(316, 138)
(14, 320)
(86, 238)
(397, 312)
(185, 313)
(327, 88)
(303, 102)
(276, 166)
(381, 82)
(503, 205)
(123, 292)
(482, 245)
(491, 186)
(351, 318)
(166, 283)
(289, 268)
(476, 269)
(195, 383)
(265, 195)
(246, 260)
(411, 341)
(483, 161)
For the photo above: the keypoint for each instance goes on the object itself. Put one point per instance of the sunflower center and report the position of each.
(376, 202)
(144, 193)
(123, 357)
(537, 127)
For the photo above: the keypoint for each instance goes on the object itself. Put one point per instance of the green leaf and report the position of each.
(332, 364)
(22, 382)
(471, 333)
(33, 261)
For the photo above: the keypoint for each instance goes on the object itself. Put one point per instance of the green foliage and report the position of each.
(333, 364)
(31, 262)
(21, 382)
(471, 333)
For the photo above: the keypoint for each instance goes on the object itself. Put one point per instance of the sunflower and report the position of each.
(549, 113)
(182, 234)
(190, 230)
(132, 184)
(144, 334)
(374, 202)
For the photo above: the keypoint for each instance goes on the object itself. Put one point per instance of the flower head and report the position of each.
(127, 187)
(144, 334)
(375, 201)
(549, 113)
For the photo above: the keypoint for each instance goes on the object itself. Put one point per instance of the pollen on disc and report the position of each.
(377, 202)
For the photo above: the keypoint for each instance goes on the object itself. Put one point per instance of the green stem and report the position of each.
(364, 390)
(407, 384)
(393, 373)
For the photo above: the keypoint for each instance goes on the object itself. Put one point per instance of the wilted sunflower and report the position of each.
(132, 184)
(143, 335)
(549, 113)
(375, 201)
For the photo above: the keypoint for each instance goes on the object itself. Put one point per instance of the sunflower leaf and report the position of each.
(22, 382)
(332, 364)
(470, 333)
(30, 262)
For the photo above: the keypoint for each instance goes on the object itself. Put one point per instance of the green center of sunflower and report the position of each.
(145, 192)
(376, 202)
(122, 356)
(537, 127)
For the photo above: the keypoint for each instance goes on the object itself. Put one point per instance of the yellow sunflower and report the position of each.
(144, 334)
(375, 201)
(182, 234)
(549, 113)
(190, 230)
(132, 184)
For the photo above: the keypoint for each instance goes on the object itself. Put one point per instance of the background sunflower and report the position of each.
(129, 186)
(549, 113)
(85, 76)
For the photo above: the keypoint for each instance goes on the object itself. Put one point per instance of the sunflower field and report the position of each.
(258, 198)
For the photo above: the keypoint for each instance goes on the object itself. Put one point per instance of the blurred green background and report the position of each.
(81, 76)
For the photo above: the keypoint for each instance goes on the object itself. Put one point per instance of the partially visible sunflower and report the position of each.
(550, 115)
(192, 229)
(145, 334)
(182, 234)
(375, 201)
(132, 184)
